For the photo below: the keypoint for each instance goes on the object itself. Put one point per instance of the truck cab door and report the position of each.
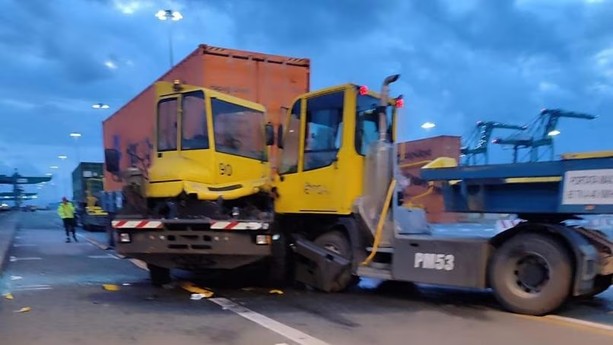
(167, 138)
(311, 182)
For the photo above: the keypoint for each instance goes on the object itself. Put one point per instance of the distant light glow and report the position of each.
(75, 135)
(54, 167)
(169, 14)
(553, 133)
(49, 174)
(428, 125)
(62, 157)
(100, 106)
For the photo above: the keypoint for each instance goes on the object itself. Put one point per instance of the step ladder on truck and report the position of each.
(532, 268)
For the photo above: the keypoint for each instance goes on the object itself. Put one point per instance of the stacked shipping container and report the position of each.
(415, 154)
(271, 80)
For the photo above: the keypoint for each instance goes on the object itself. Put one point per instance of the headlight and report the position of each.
(124, 237)
(262, 239)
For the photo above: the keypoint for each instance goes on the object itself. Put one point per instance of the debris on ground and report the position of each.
(110, 287)
(276, 292)
(8, 296)
(196, 290)
(23, 310)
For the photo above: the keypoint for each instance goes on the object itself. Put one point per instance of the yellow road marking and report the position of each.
(593, 327)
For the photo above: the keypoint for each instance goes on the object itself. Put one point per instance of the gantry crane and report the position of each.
(478, 141)
(17, 194)
(541, 134)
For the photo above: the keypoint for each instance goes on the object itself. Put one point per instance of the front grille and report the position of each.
(188, 240)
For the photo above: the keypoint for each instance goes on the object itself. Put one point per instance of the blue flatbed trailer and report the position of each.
(578, 184)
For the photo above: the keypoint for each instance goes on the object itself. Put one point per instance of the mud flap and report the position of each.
(316, 266)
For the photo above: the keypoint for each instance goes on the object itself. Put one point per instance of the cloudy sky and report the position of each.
(460, 61)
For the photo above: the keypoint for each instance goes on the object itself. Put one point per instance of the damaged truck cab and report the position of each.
(203, 203)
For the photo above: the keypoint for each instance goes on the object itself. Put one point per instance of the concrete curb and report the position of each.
(7, 235)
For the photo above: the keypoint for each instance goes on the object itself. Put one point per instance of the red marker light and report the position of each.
(363, 90)
(399, 102)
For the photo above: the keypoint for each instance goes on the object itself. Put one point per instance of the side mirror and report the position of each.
(270, 134)
(111, 160)
(280, 136)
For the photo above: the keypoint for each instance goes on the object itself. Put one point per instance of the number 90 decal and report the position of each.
(225, 169)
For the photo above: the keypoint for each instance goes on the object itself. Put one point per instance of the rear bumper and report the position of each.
(192, 245)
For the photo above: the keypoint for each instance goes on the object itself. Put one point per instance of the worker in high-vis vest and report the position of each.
(66, 211)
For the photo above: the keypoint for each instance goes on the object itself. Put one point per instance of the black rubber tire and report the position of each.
(159, 275)
(279, 265)
(503, 274)
(339, 241)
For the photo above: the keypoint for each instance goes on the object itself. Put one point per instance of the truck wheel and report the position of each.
(531, 274)
(337, 242)
(279, 264)
(159, 275)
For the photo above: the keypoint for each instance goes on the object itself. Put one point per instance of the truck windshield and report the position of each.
(238, 130)
(367, 123)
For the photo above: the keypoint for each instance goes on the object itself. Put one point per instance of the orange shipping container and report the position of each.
(271, 80)
(415, 154)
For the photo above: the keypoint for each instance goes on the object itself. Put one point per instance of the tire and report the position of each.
(338, 243)
(159, 275)
(531, 274)
(279, 265)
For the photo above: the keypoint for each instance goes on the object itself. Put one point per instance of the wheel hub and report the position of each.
(532, 273)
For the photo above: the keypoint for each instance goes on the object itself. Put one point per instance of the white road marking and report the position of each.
(13, 258)
(581, 322)
(16, 277)
(140, 264)
(107, 256)
(264, 321)
(16, 245)
(32, 287)
(466, 229)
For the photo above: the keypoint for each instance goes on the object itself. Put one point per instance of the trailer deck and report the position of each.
(577, 184)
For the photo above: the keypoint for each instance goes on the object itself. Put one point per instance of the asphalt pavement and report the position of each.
(63, 284)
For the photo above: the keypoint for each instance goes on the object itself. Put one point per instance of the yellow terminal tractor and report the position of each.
(204, 202)
(337, 195)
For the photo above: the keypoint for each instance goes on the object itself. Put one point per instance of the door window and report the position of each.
(194, 123)
(291, 142)
(167, 124)
(323, 131)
